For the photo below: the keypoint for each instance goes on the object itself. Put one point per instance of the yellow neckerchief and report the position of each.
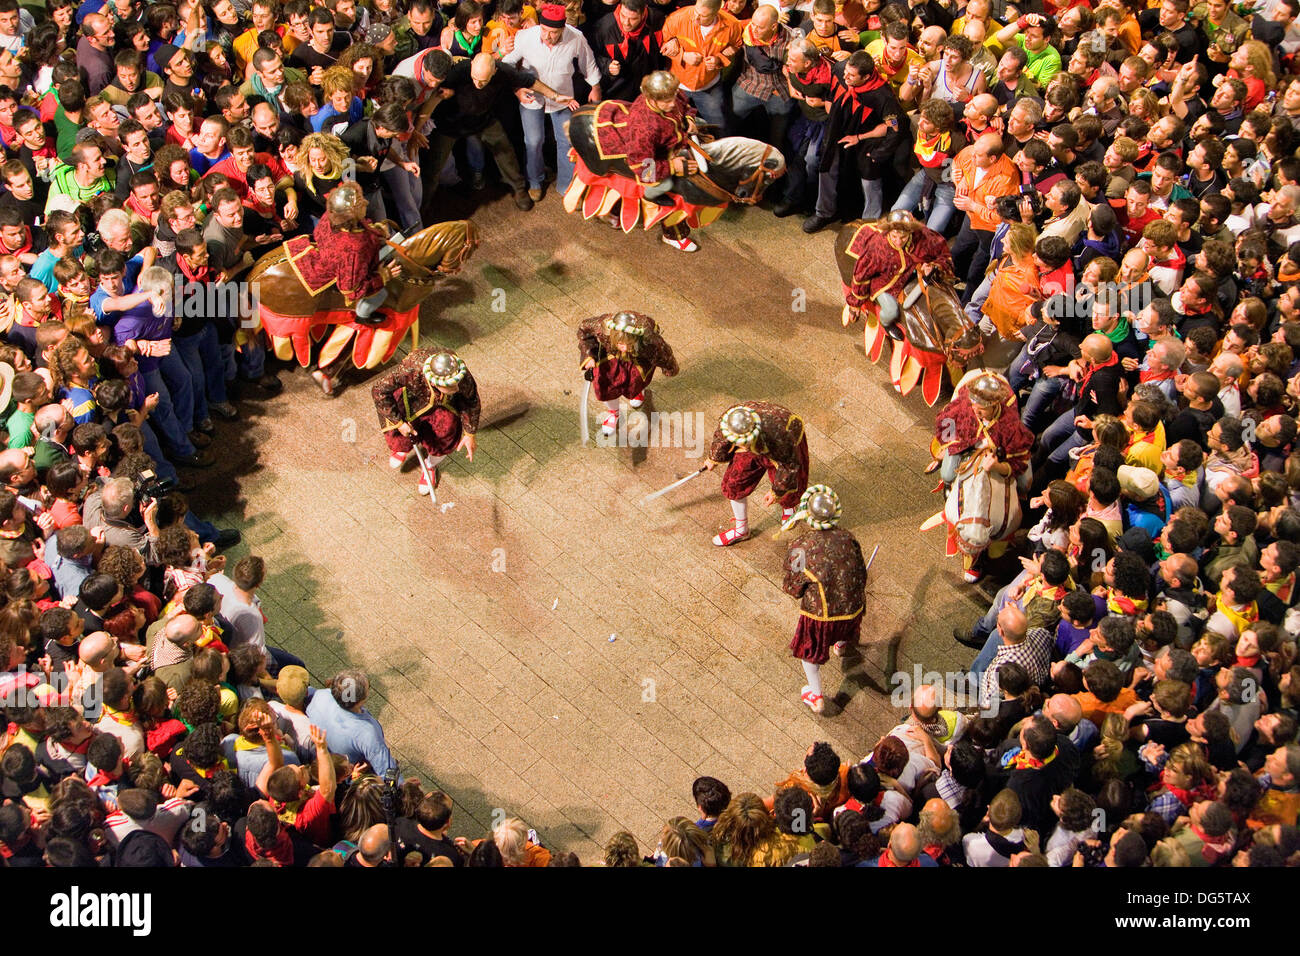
(12, 535)
(1240, 619)
(1282, 588)
(124, 717)
(244, 744)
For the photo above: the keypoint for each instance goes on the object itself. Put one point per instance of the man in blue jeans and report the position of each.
(938, 139)
(809, 76)
(1097, 373)
(196, 338)
(550, 50)
(142, 322)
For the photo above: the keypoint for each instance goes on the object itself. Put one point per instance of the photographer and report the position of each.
(113, 507)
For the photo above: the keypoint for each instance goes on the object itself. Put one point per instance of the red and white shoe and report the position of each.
(840, 648)
(423, 487)
(816, 703)
(397, 461)
(786, 514)
(638, 401)
(609, 424)
(729, 537)
(684, 244)
(972, 575)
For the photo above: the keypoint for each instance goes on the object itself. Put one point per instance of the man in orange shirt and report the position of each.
(981, 173)
(700, 42)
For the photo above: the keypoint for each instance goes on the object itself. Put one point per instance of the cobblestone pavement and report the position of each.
(544, 642)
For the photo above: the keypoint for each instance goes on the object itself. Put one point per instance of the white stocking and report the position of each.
(739, 510)
(814, 674)
(612, 405)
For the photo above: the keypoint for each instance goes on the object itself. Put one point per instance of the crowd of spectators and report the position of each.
(1138, 676)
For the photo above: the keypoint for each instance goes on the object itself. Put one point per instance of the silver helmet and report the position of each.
(822, 507)
(660, 85)
(343, 203)
(740, 425)
(444, 369)
(630, 323)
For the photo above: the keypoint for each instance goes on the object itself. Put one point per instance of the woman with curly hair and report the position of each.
(746, 835)
(367, 66)
(322, 161)
(72, 375)
(1187, 778)
(1252, 63)
(127, 566)
(622, 850)
(1075, 814)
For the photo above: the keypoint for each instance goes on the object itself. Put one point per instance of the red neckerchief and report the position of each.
(887, 859)
(1187, 797)
(145, 214)
(1147, 375)
(199, 275)
(1113, 360)
(1248, 661)
(847, 96)
(281, 851)
(642, 36)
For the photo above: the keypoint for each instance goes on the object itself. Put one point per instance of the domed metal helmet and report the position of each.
(819, 506)
(660, 85)
(901, 219)
(344, 203)
(989, 389)
(444, 369)
(629, 323)
(823, 506)
(740, 425)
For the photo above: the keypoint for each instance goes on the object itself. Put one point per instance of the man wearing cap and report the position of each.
(430, 397)
(1146, 501)
(824, 570)
(550, 50)
(620, 353)
(754, 439)
(291, 686)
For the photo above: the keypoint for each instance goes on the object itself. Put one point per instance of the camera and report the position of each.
(1008, 207)
(149, 487)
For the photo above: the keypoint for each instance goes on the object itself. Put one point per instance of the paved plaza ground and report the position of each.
(545, 644)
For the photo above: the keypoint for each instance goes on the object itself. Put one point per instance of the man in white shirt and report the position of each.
(550, 50)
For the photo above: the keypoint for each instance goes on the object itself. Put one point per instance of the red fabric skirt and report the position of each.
(747, 469)
(813, 639)
(618, 378)
(439, 432)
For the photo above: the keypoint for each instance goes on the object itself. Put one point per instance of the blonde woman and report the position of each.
(342, 105)
(1252, 63)
(324, 162)
(746, 835)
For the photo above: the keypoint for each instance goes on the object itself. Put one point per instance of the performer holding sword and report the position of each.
(754, 439)
(428, 405)
(620, 353)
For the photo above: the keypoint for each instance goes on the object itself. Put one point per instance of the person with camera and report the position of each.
(113, 509)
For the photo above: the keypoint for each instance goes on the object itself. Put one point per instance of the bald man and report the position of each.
(372, 848)
(904, 849)
(52, 429)
(940, 828)
(1097, 372)
(171, 645)
(761, 73)
(479, 87)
